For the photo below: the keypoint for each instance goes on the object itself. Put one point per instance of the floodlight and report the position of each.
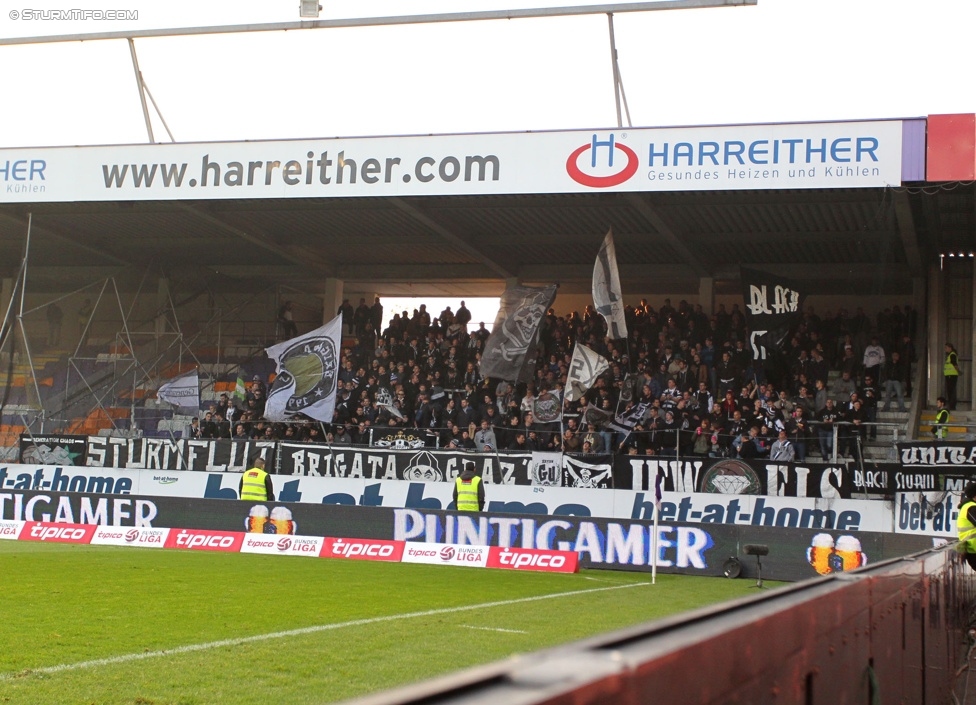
(310, 9)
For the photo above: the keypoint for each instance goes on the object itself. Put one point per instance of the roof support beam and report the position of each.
(909, 238)
(41, 230)
(652, 216)
(456, 240)
(304, 259)
(522, 13)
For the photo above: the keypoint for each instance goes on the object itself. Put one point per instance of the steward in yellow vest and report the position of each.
(941, 428)
(256, 483)
(950, 371)
(469, 492)
(966, 525)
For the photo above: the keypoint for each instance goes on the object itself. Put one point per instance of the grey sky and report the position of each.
(784, 60)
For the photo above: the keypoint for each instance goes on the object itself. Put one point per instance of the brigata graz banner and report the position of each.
(613, 544)
(794, 156)
(417, 464)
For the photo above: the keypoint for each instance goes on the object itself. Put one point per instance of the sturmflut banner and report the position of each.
(866, 154)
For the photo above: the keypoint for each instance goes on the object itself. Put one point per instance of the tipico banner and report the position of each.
(515, 541)
(855, 154)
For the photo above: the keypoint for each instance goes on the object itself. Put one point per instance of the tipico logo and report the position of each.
(602, 163)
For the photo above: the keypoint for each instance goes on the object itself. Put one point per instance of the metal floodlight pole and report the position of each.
(141, 87)
(522, 13)
(616, 71)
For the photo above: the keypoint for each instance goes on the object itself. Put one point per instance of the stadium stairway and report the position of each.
(962, 425)
(882, 449)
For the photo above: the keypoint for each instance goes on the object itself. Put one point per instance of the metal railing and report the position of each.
(895, 631)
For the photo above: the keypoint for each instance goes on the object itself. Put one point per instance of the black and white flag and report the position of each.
(607, 296)
(584, 369)
(629, 417)
(773, 306)
(183, 391)
(384, 400)
(307, 368)
(510, 350)
(547, 407)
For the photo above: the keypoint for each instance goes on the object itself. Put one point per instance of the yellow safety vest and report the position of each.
(967, 531)
(254, 488)
(948, 368)
(941, 422)
(467, 491)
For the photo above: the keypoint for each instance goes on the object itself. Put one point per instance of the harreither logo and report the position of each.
(602, 163)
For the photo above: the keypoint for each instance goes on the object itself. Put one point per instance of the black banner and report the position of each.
(412, 465)
(608, 544)
(773, 305)
(587, 471)
(762, 477)
(166, 454)
(53, 449)
(949, 455)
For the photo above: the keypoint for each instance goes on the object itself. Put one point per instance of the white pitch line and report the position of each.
(112, 660)
(494, 629)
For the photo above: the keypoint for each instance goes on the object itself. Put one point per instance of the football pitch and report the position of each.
(100, 624)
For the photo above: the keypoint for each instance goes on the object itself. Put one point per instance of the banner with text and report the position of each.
(853, 154)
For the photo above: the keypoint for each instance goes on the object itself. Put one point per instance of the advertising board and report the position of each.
(142, 537)
(853, 154)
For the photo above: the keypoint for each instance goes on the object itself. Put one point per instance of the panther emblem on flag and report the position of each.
(308, 375)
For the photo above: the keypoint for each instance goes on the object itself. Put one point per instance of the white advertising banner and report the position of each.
(446, 554)
(10, 530)
(785, 156)
(141, 537)
(270, 544)
(681, 507)
(927, 514)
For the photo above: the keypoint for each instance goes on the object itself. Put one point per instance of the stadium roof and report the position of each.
(872, 236)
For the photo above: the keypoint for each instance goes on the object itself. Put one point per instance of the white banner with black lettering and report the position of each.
(802, 512)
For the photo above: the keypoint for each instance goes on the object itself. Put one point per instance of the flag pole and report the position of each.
(657, 513)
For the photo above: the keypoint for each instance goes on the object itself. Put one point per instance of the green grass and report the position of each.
(65, 604)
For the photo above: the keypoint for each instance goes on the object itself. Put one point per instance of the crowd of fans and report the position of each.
(693, 375)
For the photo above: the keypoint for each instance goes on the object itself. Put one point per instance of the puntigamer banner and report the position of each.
(694, 507)
(787, 156)
(626, 543)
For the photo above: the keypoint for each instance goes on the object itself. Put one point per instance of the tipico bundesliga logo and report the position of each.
(602, 163)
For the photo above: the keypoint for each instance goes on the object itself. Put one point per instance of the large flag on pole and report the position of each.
(584, 369)
(510, 349)
(183, 391)
(607, 296)
(307, 374)
(773, 306)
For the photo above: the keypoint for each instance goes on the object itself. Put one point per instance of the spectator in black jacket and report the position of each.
(896, 381)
